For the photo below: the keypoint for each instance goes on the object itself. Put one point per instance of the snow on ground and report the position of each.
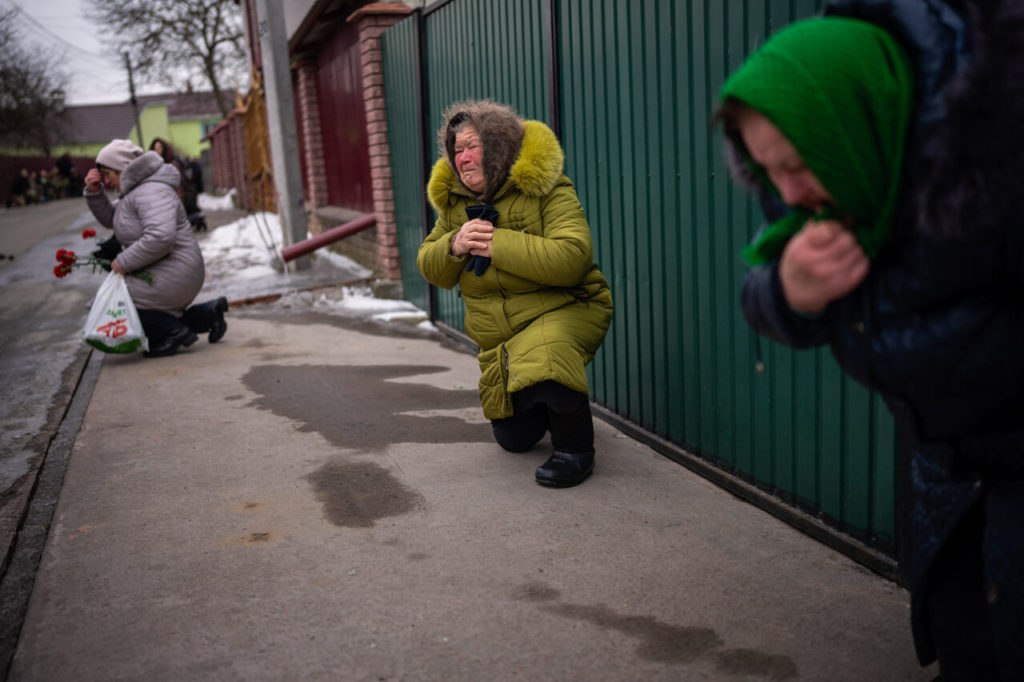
(208, 202)
(249, 248)
(358, 301)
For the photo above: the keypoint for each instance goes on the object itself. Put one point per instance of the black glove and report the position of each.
(479, 264)
(108, 251)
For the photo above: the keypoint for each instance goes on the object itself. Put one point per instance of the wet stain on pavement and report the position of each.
(358, 407)
(254, 538)
(535, 592)
(748, 662)
(418, 556)
(663, 642)
(659, 642)
(357, 494)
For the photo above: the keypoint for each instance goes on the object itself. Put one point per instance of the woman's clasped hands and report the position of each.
(474, 238)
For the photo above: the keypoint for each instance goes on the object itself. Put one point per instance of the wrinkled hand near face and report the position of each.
(823, 261)
(469, 156)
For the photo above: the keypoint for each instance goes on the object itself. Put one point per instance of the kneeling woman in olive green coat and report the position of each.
(512, 234)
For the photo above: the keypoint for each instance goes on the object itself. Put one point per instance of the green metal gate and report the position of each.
(631, 87)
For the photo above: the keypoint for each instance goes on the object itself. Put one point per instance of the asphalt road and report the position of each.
(41, 354)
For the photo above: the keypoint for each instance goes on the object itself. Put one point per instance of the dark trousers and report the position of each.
(158, 324)
(958, 613)
(543, 407)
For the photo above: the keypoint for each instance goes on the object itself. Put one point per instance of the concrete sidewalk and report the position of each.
(314, 499)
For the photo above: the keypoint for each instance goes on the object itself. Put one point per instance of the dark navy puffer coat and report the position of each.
(937, 327)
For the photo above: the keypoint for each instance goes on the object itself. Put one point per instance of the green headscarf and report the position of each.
(840, 90)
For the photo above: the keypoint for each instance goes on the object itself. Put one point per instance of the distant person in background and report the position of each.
(58, 184)
(186, 188)
(43, 186)
(66, 169)
(32, 194)
(197, 174)
(166, 151)
(19, 189)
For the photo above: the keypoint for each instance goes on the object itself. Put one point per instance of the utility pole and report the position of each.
(135, 102)
(284, 141)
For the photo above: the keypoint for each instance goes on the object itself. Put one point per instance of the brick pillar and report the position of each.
(315, 182)
(371, 21)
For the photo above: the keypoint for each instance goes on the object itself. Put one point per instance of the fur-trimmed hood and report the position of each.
(148, 167)
(535, 168)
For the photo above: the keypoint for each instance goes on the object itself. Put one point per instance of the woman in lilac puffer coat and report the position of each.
(150, 224)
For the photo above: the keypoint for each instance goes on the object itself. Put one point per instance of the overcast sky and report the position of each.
(95, 75)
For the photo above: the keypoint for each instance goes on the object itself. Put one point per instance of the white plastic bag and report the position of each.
(113, 325)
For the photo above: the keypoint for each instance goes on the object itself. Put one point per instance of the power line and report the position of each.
(21, 13)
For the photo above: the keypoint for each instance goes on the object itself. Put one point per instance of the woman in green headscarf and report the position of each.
(888, 159)
(827, 136)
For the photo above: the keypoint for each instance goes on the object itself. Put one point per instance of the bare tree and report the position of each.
(175, 40)
(31, 90)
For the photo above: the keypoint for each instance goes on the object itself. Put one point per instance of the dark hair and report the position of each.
(737, 158)
(728, 115)
(168, 153)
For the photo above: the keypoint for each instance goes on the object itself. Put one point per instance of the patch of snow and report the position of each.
(359, 301)
(243, 249)
(341, 261)
(208, 202)
(248, 249)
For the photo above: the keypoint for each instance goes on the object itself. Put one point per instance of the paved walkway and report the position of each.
(316, 498)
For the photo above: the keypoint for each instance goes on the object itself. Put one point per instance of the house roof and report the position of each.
(97, 122)
(104, 122)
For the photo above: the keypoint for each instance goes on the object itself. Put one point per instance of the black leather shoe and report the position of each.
(219, 326)
(565, 469)
(169, 345)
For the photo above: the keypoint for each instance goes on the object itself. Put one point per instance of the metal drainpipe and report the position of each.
(328, 237)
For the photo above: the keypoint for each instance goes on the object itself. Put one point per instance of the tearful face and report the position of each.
(469, 156)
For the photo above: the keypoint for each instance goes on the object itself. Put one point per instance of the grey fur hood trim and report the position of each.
(148, 168)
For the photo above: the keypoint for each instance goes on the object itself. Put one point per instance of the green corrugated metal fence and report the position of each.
(636, 86)
(401, 73)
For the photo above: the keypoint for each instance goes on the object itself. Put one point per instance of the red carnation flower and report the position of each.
(88, 233)
(68, 261)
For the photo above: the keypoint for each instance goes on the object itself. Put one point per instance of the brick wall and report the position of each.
(315, 181)
(371, 21)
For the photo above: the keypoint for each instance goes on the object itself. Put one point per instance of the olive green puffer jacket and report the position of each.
(541, 310)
